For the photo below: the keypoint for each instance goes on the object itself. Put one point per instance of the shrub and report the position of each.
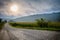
(41, 23)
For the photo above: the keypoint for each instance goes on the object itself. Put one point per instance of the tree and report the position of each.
(5, 21)
(0, 20)
(41, 22)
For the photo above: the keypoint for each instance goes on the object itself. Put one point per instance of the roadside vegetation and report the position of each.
(40, 24)
(2, 23)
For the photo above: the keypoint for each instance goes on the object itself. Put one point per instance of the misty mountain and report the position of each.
(32, 18)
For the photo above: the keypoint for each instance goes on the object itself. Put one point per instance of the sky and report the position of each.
(27, 7)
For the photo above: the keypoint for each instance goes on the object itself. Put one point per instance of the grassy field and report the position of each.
(37, 25)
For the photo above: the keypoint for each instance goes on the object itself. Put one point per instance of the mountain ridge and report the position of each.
(48, 17)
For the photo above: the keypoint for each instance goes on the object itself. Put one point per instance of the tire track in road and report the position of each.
(10, 33)
(5, 34)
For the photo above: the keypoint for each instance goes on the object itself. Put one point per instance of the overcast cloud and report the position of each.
(28, 7)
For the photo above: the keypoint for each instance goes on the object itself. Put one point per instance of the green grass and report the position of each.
(53, 26)
(38, 28)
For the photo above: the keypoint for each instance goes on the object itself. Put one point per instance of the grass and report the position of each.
(53, 26)
(1, 25)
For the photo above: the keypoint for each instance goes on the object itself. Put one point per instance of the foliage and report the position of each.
(41, 23)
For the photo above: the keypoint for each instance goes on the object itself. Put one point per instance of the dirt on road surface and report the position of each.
(10, 33)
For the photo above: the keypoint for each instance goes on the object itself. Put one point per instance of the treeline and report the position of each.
(1, 20)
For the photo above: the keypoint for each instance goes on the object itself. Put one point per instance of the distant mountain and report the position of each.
(49, 17)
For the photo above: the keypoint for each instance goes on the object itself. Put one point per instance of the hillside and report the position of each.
(49, 17)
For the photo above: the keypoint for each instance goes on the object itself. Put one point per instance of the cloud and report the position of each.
(4, 2)
(29, 7)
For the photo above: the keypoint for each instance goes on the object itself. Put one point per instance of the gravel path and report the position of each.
(9, 33)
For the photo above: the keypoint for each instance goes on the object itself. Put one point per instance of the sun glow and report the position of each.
(14, 8)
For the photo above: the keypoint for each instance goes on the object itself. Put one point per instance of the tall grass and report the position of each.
(39, 24)
(24, 24)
